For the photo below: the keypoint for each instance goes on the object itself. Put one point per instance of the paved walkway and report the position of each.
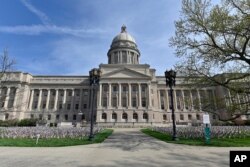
(126, 147)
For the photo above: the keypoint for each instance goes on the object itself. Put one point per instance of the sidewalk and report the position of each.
(126, 147)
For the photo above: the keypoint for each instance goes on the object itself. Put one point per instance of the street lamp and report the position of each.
(170, 81)
(94, 77)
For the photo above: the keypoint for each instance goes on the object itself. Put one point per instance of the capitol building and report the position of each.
(129, 93)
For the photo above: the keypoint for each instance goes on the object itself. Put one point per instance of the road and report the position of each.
(124, 148)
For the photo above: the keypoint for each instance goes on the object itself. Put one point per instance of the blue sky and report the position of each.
(70, 37)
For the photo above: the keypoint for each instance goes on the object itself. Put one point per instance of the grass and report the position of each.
(18, 142)
(233, 142)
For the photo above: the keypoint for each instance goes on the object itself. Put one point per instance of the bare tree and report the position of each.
(212, 42)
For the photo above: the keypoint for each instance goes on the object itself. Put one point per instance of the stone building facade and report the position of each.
(129, 93)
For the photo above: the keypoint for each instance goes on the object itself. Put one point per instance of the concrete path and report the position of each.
(126, 147)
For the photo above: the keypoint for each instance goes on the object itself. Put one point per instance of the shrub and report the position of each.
(27, 122)
(7, 123)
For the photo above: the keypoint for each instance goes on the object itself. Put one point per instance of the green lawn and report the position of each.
(233, 142)
(100, 137)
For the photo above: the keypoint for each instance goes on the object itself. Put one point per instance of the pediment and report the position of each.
(125, 73)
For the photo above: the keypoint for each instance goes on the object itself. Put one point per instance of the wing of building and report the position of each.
(129, 94)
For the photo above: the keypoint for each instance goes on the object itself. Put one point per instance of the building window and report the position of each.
(124, 102)
(32, 116)
(104, 116)
(124, 57)
(143, 88)
(85, 92)
(53, 93)
(49, 117)
(68, 107)
(145, 116)
(135, 116)
(66, 117)
(164, 117)
(214, 116)
(198, 117)
(144, 102)
(76, 106)
(189, 117)
(162, 106)
(2, 104)
(114, 116)
(6, 116)
(114, 102)
(84, 106)
(74, 117)
(105, 88)
(115, 89)
(104, 102)
(124, 88)
(57, 117)
(134, 88)
(124, 116)
(44, 105)
(134, 102)
(182, 117)
(83, 117)
(60, 106)
(35, 104)
(40, 116)
(70, 93)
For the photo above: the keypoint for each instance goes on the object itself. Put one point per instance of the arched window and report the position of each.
(124, 116)
(114, 116)
(145, 116)
(164, 117)
(135, 116)
(104, 116)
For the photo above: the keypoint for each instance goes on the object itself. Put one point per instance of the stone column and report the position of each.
(31, 99)
(15, 99)
(39, 99)
(110, 95)
(175, 100)
(215, 105)
(47, 100)
(64, 98)
(120, 96)
(159, 98)
(191, 100)
(149, 96)
(167, 100)
(72, 100)
(80, 101)
(139, 99)
(183, 100)
(100, 96)
(56, 100)
(199, 99)
(7, 98)
(129, 95)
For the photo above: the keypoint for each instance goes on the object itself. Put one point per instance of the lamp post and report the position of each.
(94, 77)
(170, 81)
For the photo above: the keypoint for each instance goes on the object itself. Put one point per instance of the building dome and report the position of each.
(123, 36)
(123, 49)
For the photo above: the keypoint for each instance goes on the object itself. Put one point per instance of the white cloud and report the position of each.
(39, 29)
(47, 26)
(43, 17)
